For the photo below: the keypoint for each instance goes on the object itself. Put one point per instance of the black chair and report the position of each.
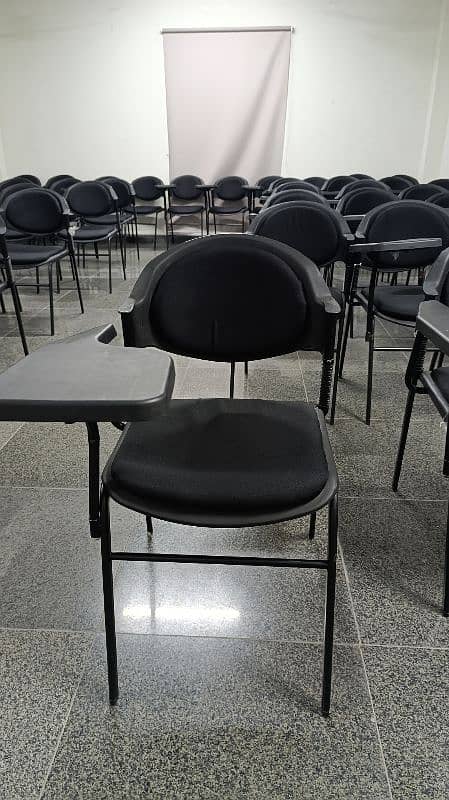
(443, 183)
(432, 325)
(287, 195)
(126, 207)
(14, 181)
(40, 212)
(353, 205)
(409, 178)
(320, 234)
(390, 236)
(30, 178)
(187, 189)
(334, 185)
(7, 282)
(316, 180)
(225, 462)
(420, 191)
(397, 183)
(361, 176)
(5, 193)
(439, 199)
(63, 184)
(297, 184)
(265, 182)
(55, 178)
(93, 199)
(231, 191)
(149, 188)
(360, 183)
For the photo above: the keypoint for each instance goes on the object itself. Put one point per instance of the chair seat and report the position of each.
(91, 233)
(440, 376)
(34, 255)
(186, 209)
(220, 457)
(147, 209)
(400, 302)
(228, 209)
(109, 219)
(12, 235)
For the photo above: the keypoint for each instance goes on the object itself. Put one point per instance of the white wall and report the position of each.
(83, 83)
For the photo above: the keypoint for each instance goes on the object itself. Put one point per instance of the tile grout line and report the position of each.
(66, 719)
(365, 672)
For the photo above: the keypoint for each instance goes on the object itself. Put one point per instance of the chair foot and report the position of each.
(312, 525)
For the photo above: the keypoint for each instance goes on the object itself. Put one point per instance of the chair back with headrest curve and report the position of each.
(439, 199)
(183, 187)
(274, 184)
(405, 219)
(266, 181)
(230, 298)
(441, 182)
(361, 176)
(148, 187)
(337, 182)
(123, 190)
(282, 195)
(316, 180)
(313, 229)
(54, 179)
(420, 191)
(397, 183)
(91, 198)
(297, 185)
(231, 187)
(36, 211)
(361, 200)
(7, 191)
(360, 183)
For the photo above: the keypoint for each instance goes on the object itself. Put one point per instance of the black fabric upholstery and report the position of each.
(122, 190)
(92, 233)
(13, 181)
(266, 181)
(274, 184)
(148, 187)
(55, 179)
(296, 184)
(313, 229)
(405, 219)
(361, 176)
(31, 255)
(184, 187)
(91, 198)
(37, 210)
(361, 183)
(146, 208)
(421, 191)
(316, 180)
(360, 201)
(62, 185)
(30, 178)
(282, 195)
(413, 181)
(228, 209)
(397, 182)
(337, 182)
(110, 219)
(400, 302)
(440, 199)
(187, 208)
(7, 191)
(442, 182)
(231, 188)
(441, 377)
(221, 456)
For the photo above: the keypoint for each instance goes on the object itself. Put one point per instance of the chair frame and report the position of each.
(8, 282)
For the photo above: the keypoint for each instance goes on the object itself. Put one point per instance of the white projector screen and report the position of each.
(226, 101)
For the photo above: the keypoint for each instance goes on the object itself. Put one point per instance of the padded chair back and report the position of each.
(297, 185)
(62, 185)
(123, 190)
(14, 182)
(31, 178)
(361, 177)
(421, 191)
(230, 298)
(273, 186)
(440, 199)
(337, 182)
(397, 183)
(37, 211)
(91, 198)
(54, 179)
(316, 180)
(148, 187)
(405, 219)
(287, 195)
(265, 182)
(409, 178)
(231, 187)
(7, 191)
(315, 230)
(360, 201)
(443, 183)
(360, 183)
(184, 187)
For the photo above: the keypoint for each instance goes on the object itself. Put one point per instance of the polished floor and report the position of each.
(220, 666)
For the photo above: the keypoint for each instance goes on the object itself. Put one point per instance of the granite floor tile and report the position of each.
(214, 718)
(39, 673)
(394, 554)
(410, 689)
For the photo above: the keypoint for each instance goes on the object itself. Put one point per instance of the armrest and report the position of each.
(394, 247)
(433, 322)
(353, 217)
(2, 227)
(437, 276)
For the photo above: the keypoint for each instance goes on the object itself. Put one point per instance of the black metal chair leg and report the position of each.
(2, 304)
(155, 231)
(433, 360)
(172, 231)
(17, 308)
(38, 288)
(446, 571)
(108, 599)
(110, 265)
(149, 524)
(202, 224)
(403, 439)
(330, 606)
(312, 525)
(84, 255)
(336, 368)
(75, 274)
(93, 436)
(137, 235)
(369, 387)
(232, 380)
(97, 255)
(246, 368)
(50, 294)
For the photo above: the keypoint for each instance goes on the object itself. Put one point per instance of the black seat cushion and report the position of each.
(104, 219)
(401, 302)
(186, 209)
(441, 377)
(228, 209)
(220, 456)
(91, 233)
(146, 209)
(32, 255)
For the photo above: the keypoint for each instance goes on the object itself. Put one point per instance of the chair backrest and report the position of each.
(405, 219)
(274, 184)
(91, 198)
(439, 199)
(38, 211)
(297, 185)
(361, 200)
(360, 183)
(31, 178)
(7, 191)
(409, 178)
(360, 176)
(287, 195)
(313, 229)
(123, 190)
(337, 182)
(63, 184)
(232, 187)
(148, 187)
(14, 182)
(265, 182)
(442, 182)
(54, 179)
(230, 298)
(397, 182)
(420, 191)
(184, 187)
(316, 180)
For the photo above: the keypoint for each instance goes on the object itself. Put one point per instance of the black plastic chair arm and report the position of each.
(353, 217)
(433, 323)
(2, 227)
(362, 247)
(437, 276)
